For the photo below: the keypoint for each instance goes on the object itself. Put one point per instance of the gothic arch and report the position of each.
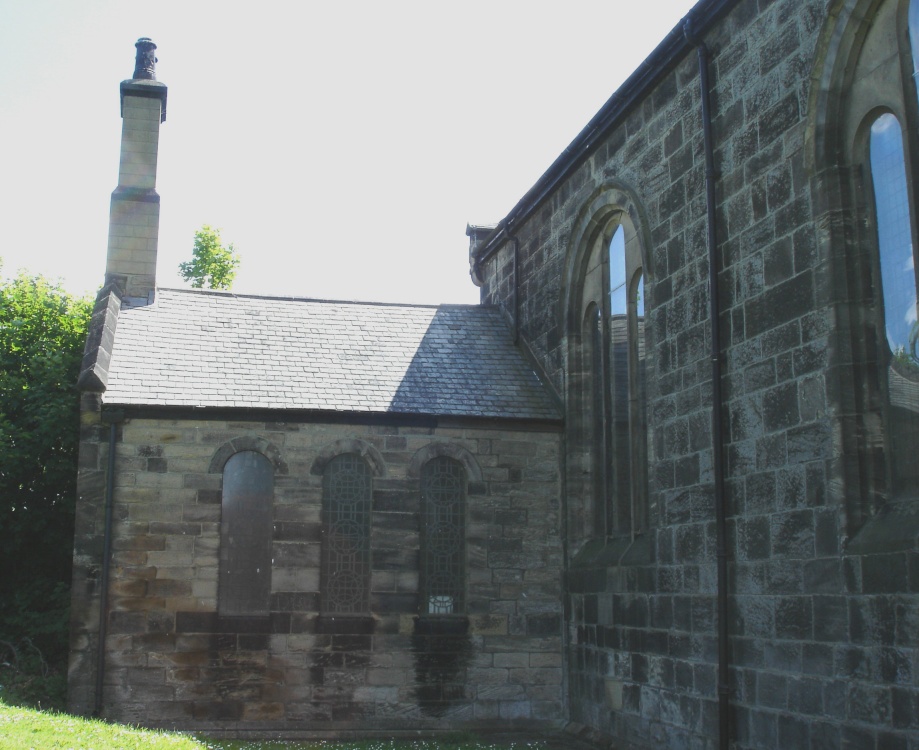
(603, 304)
(609, 205)
(844, 34)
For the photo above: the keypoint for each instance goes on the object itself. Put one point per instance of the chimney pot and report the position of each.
(145, 61)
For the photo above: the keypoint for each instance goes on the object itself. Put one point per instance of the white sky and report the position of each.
(342, 147)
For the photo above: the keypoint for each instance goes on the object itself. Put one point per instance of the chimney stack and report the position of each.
(135, 214)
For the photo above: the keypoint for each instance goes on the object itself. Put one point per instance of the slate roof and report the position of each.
(216, 349)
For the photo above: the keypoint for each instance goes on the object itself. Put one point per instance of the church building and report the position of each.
(659, 489)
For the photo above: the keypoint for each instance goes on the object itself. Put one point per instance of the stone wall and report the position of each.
(823, 644)
(173, 661)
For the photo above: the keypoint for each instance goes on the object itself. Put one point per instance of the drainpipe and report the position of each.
(717, 401)
(113, 418)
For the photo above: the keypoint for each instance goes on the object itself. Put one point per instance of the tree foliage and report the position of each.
(42, 333)
(212, 264)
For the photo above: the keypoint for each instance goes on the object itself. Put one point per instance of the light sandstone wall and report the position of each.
(135, 206)
(171, 661)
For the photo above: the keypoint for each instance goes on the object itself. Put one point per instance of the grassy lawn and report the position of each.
(23, 729)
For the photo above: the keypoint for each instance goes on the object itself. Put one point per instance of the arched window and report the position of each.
(244, 581)
(642, 510)
(594, 423)
(346, 507)
(896, 296)
(620, 385)
(869, 141)
(628, 422)
(609, 394)
(895, 246)
(443, 537)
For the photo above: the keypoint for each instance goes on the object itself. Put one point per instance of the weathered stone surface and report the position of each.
(263, 668)
(792, 446)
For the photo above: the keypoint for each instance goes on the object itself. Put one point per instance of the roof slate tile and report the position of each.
(201, 348)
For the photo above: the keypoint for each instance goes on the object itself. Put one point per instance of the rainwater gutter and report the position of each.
(724, 694)
(112, 418)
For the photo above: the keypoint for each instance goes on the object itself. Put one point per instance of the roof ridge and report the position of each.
(296, 298)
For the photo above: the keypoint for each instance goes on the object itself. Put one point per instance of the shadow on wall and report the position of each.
(442, 649)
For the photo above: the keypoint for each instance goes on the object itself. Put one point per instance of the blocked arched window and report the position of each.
(346, 508)
(244, 580)
(443, 537)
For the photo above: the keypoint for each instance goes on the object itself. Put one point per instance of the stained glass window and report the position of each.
(346, 507)
(443, 539)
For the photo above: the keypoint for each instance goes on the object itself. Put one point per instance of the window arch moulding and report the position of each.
(450, 450)
(248, 443)
(368, 452)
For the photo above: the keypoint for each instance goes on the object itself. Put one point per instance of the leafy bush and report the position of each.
(42, 332)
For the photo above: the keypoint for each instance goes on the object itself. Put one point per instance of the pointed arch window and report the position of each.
(626, 383)
(628, 423)
(594, 405)
(612, 391)
(873, 146)
(895, 246)
(899, 355)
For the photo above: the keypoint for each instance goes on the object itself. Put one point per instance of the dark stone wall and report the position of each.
(823, 632)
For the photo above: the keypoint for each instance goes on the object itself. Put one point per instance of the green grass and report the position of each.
(24, 729)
